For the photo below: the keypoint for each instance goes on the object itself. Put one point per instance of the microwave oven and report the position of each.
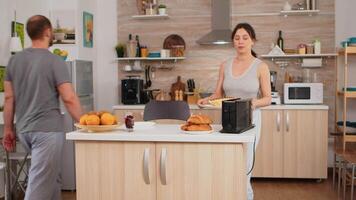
(303, 93)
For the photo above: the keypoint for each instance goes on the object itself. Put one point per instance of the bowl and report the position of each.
(97, 128)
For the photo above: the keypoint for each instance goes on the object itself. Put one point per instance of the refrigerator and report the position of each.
(81, 73)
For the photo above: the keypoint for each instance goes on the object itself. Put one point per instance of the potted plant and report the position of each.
(120, 50)
(162, 9)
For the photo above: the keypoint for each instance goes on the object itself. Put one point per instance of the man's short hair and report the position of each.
(36, 26)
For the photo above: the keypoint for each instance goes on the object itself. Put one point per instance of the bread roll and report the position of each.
(199, 119)
(196, 127)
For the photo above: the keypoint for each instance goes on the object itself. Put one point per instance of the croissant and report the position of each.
(199, 119)
(195, 127)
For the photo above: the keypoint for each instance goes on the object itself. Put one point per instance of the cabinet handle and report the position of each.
(146, 160)
(163, 167)
(278, 121)
(287, 119)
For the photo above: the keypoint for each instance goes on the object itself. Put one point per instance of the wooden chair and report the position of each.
(344, 165)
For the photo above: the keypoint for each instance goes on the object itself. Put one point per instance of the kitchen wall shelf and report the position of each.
(348, 50)
(299, 12)
(175, 59)
(300, 56)
(347, 94)
(145, 17)
(343, 80)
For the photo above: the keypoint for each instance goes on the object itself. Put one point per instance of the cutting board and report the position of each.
(179, 85)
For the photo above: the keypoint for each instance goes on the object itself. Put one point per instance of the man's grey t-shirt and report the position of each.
(35, 74)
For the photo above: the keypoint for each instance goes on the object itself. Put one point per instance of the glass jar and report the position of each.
(177, 51)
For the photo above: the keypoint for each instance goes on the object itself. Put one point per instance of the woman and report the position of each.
(245, 76)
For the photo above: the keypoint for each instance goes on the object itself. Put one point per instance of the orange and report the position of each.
(100, 113)
(107, 119)
(92, 120)
(82, 119)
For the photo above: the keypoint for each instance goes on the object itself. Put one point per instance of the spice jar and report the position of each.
(310, 48)
(302, 48)
(177, 51)
(144, 51)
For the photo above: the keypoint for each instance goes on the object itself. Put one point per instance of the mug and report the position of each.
(165, 53)
(127, 68)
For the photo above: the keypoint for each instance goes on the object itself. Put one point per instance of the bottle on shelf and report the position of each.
(131, 47)
(317, 46)
(280, 41)
(138, 47)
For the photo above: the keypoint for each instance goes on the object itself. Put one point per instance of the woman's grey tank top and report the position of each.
(244, 86)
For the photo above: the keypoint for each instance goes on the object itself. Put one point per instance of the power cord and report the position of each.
(253, 162)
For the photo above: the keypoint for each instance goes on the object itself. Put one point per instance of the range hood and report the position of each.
(220, 24)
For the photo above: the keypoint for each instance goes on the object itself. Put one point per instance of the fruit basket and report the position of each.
(97, 128)
(97, 122)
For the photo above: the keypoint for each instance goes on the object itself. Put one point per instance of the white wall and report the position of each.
(345, 16)
(24, 10)
(107, 70)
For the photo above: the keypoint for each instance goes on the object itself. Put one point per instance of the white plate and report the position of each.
(197, 132)
(207, 106)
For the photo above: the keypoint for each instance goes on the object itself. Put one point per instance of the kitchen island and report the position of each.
(160, 162)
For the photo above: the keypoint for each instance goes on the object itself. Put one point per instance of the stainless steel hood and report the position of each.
(220, 24)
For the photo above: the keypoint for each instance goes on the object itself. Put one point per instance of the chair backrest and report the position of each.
(178, 110)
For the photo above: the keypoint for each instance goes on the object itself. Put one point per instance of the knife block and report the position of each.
(192, 97)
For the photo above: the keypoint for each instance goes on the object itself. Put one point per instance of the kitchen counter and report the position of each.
(163, 133)
(271, 107)
(160, 162)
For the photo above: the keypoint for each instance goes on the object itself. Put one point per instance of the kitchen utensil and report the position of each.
(179, 85)
(145, 86)
(131, 90)
(137, 65)
(191, 85)
(165, 53)
(147, 95)
(236, 115)
(97, 128)
(127, 68)
(149, 82)
(173, 40)
(273, 75)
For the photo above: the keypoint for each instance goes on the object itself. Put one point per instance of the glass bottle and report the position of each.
(280, 41)
(138, 47)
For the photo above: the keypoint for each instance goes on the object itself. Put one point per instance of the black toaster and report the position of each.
(236, 115)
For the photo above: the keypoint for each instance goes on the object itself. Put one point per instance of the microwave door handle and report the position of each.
(278, 121)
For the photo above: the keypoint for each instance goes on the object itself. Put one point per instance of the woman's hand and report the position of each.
(253, 104)
(203, 101)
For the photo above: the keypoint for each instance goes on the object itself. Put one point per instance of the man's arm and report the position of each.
(70, 100)
(9, 139)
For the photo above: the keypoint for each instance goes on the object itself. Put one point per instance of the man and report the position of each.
(35, 78)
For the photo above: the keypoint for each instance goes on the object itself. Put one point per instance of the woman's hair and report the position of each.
(249, 29)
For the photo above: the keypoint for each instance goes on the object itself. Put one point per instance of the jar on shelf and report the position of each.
(310, 49)
(177, 51)
(302, 48)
